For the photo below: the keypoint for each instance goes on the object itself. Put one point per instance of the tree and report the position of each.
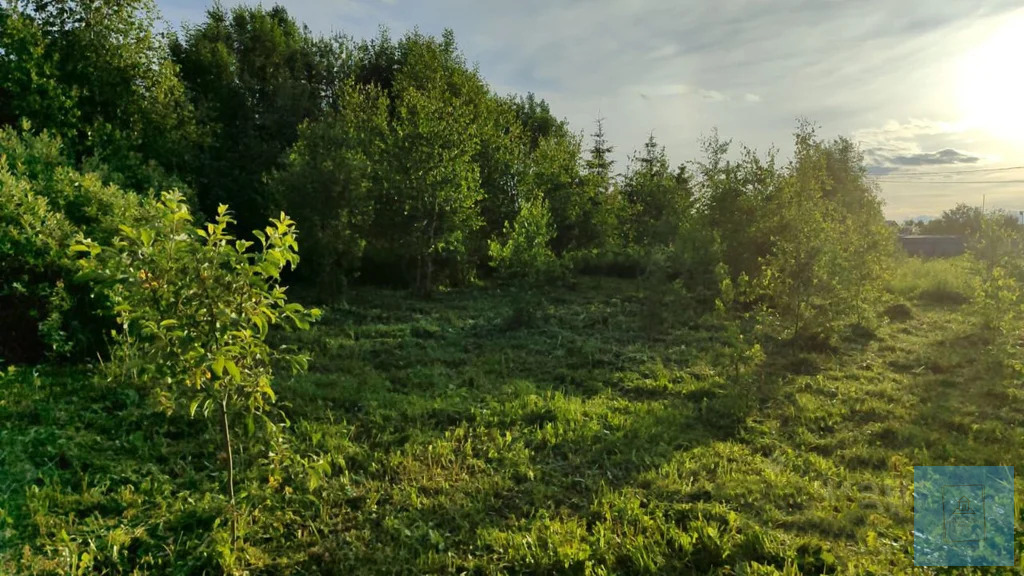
(98, 76)
(254, 76)
(830, 246)
(656, 199)
(732, 196)
(195, 307)
(330, 183)
(503, 159)
(600, 163)
(535, 117)
(961, 220)
(525, 251)
(433, 179)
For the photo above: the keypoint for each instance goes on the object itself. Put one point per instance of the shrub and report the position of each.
(44, 203)
(526, 252)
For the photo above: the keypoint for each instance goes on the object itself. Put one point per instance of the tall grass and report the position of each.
(938, 280)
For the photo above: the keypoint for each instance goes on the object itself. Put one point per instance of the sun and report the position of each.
(991, 82)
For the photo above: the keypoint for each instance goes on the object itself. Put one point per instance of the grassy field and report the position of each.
(490, 432)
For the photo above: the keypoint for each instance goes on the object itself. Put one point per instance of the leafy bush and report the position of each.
(44, 203)
(195, 307)
(526, 252)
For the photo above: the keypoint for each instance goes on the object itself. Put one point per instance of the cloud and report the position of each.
(918, 142)
(665, 51)
(945, 156)
(713, 96)
(683, 67)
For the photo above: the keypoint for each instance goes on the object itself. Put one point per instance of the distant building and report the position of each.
(932, 246)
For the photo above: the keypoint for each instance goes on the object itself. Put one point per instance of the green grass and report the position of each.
(937, 280)
(473, 434)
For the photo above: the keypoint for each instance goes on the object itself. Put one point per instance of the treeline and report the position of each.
(400, 166)
(989, 234)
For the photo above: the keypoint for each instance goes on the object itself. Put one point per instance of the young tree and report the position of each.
(195, 307)
(830, 246)
(525, 253)
(732, 196)
(434, 180)
(656, 200)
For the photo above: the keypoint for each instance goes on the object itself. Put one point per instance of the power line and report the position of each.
(949, 182)
(972, 171)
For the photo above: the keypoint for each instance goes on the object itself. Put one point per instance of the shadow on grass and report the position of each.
(589, 404)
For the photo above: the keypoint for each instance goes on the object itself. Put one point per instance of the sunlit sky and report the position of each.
(924, 86)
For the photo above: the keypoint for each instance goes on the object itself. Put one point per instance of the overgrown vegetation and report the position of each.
(528, 363)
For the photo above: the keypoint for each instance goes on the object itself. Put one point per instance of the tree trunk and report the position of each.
(231, 469)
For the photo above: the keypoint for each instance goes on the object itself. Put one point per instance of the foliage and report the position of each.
(329, 183)
(526, 253)
(656, 200)
(433, 178)
(44, 203)
(462, 446)
(97, 75)
(663, 422)
(195, 307)
(830, 248)
(253, 76)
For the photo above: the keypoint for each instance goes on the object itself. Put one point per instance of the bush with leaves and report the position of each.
(525, 253)
(195, 307)
(44, 202)
(829, 247)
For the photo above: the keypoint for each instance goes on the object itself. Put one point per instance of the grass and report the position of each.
(471, 434)
(938, 281)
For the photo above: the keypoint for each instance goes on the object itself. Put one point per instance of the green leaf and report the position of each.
(218, 367)
(233, 369)
(192, 407)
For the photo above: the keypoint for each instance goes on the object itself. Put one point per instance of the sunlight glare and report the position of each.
(991, 82)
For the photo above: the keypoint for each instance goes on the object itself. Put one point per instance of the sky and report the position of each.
(931, 90)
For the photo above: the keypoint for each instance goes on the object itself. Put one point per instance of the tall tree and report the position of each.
(432, 208)
(254, 76)
(97, 75)
(330, 182)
